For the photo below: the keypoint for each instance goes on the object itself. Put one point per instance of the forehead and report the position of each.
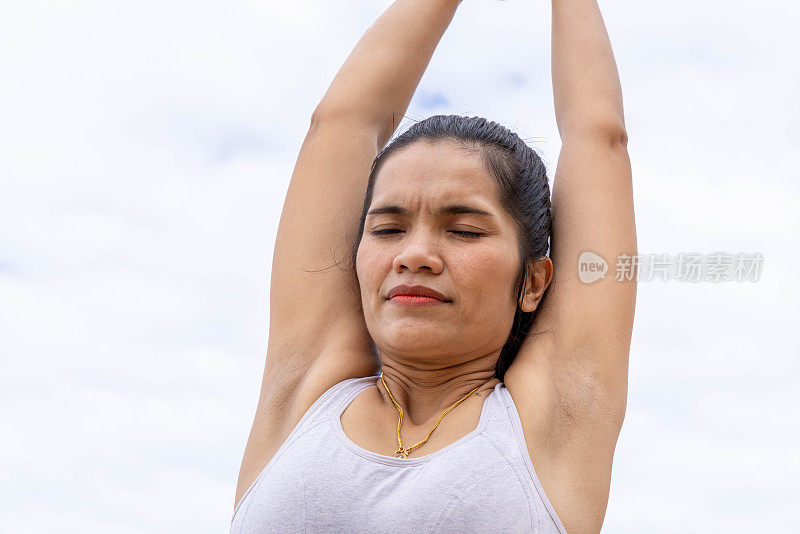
(434, 172)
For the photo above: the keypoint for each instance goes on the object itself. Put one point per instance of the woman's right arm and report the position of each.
(314, 306)
(313, 311)
(310, 311)
(377, 80)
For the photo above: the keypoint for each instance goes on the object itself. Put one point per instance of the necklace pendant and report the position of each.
(400, 454)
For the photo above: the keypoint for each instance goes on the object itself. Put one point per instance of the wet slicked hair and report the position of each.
(523, 191)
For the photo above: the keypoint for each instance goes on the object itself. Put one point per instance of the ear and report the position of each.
(538, 276)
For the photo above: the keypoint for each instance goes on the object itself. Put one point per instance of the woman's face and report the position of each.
(422, 247)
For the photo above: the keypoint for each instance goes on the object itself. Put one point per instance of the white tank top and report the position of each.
(321, 482)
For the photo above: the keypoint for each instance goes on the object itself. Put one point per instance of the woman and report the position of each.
(455, 378)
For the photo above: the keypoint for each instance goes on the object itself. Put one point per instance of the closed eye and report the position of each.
(460, 232)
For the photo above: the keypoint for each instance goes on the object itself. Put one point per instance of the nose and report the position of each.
(419, 252)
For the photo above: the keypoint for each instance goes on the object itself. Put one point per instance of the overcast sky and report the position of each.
(145, 151)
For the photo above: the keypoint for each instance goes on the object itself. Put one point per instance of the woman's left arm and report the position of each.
(590, 322)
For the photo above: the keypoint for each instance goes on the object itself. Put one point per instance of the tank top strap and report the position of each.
(330, 402)
(506, 433)
(327, 402)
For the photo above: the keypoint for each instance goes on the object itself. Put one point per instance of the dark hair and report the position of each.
(523, 191)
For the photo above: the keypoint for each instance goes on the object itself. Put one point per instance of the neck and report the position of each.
(424, 394)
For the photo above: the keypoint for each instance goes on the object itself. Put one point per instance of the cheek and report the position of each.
(371, 264)
(486, 275)
(485, 266)
(375, 251)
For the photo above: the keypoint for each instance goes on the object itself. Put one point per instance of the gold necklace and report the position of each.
(403, 453)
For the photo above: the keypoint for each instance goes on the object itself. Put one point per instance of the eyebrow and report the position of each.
(453, 209)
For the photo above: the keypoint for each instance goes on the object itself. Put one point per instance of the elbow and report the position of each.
(317, 117)
(613, 133)
(314, 120)
(622, 138)
(328, 113)
(326, 117)
(609, 133)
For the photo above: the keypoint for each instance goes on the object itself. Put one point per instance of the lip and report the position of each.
(420, 291)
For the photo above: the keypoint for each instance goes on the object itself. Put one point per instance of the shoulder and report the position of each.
(286, 397)
(330, 372)
(558, 392)
(570, 423)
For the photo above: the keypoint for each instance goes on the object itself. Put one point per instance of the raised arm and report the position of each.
(378, 79)
(588, 325)
(355, 118)
(577, 368)
(586, 89)
(592, 196)
(316, 320)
